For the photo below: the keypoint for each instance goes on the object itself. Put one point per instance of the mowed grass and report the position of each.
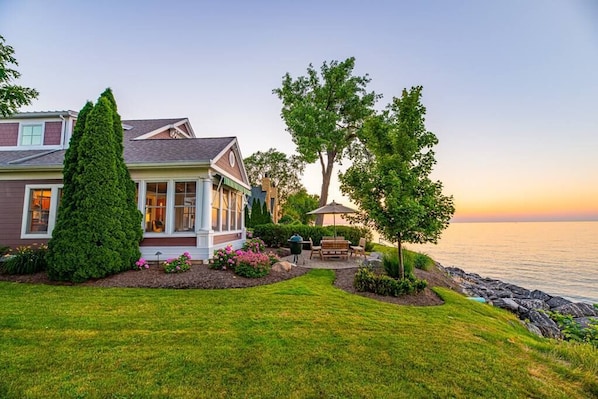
(301, 338)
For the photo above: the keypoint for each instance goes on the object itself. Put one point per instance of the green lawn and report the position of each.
(301, 338)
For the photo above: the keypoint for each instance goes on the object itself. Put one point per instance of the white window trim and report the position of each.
(170, 211)
(20, 138)
(231, 213)
(53, 210)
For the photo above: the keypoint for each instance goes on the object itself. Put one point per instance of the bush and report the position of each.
(178, 265)
(254, 245)
(367, 281)
(573, 331)
(141, 264)
(26, 260)
(390, 261)
(224, 258)
(276, 235)
(3, 250)
(252, 264)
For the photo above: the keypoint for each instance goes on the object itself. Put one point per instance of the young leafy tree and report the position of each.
(298, 204)
(390, 181)
(284, 171)
(12, 97)
(323, 113)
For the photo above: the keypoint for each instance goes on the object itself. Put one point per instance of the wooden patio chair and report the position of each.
(358, 249)
(314, 248)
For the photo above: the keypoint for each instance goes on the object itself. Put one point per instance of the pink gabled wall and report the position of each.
(183, 127)
(162, 135)
(52, 133)
(9, 134)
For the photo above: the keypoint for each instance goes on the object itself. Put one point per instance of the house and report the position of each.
(266, 193)
(191, 190)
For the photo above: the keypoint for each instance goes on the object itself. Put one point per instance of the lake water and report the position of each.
(559, 258)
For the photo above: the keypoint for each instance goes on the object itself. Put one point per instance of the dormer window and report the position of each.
(32, 134)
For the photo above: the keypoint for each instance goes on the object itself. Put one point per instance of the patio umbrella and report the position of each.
(334, 209)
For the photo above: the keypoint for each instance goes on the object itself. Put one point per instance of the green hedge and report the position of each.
(276, 235)
(367, 281)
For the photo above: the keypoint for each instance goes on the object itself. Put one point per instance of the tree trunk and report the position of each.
(326, 174)
(401, 265)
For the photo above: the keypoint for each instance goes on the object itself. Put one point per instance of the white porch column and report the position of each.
(206, 204)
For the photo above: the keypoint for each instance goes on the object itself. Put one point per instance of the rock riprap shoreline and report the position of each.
(531, 306)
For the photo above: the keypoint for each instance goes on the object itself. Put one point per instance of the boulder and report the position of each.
(374, 262)
(584, 322)
(537, 304)
(579, 309)
(545, 324)
(282, 266)
(557, 301)
(537, 294)
(533, 329)
(506, 303)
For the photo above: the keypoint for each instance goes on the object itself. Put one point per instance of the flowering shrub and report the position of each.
(273, 258)
(252, 265)
(141, 264)
(254, 245)
(26, 260)
(178, 265)
(225, 258)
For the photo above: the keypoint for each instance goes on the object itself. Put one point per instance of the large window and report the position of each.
(39, 210)
(215, 208)
(155, 206)
(31, 134)
(184, 206)
(236, 211)
(225, 210)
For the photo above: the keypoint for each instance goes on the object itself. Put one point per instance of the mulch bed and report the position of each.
(202, 277)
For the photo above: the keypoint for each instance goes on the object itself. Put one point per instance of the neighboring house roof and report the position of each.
(140, 152)
(257, 193)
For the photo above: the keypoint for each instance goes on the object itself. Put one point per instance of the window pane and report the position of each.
(39, 210)
(31, 135)
(225, 210)
(233, 211)
(184, 206)
(215, 208)
(155, 207)
(239, 211)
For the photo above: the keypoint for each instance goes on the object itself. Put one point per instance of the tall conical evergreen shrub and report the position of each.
(131, 216)
(256, 213)
(62, 257)
(266, 216)
(93, 236)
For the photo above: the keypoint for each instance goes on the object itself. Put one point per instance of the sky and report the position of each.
(510, 86)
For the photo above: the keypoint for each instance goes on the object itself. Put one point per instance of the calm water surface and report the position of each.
(560, 258)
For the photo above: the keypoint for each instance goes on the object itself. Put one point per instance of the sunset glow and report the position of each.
(514, 109)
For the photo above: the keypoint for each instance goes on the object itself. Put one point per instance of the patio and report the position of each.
(330, 263)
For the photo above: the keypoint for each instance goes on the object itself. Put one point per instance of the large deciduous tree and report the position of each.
(95, 235)
(390, 181)
(12, 97)
(284, 171)
(323, 113)
(298, 204)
